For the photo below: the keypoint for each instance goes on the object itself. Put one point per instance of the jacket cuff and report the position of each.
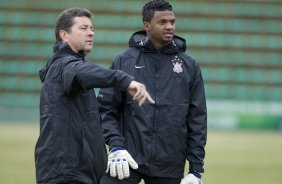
(196, 168)
(126, 82)
(115, 144)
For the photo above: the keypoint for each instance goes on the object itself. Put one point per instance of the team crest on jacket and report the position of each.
(177, 64)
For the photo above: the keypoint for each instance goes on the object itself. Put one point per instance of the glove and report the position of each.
(119, 161)
(192, 178)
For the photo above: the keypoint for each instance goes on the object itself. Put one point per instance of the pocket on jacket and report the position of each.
(93, 157)
(93, 120)
(172, 115)
(171, 146)
(49, 148)
(136, 110)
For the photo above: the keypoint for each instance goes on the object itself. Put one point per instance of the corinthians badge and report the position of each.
(177, 65)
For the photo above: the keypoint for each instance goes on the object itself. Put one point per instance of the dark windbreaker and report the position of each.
(70, 147)
(159, 137)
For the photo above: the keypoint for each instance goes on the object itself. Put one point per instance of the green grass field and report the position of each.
(233, 157)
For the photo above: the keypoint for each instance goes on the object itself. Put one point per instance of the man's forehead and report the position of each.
(82, 21)
(166, 15)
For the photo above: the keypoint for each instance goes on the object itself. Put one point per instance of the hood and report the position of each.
(60, 49)
(140, 40)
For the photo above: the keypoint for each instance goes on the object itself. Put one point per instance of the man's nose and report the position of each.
(169, 25)
(91, 32)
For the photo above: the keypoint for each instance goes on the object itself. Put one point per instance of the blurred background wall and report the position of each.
(238, 44)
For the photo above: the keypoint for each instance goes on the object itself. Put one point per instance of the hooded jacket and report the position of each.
(159, 137)
(70, 147)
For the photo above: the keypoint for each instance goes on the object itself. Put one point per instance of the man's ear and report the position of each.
(64, 35)
(146, 26)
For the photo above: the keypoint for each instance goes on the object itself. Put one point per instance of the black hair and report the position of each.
(65, 20)
(152, 6)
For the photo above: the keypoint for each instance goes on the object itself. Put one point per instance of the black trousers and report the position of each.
(135, 178)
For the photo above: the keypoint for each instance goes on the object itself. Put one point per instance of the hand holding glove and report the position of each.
(119, 161)
(192, 178)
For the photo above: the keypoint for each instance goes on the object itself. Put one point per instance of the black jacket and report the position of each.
(71, 147)
(159, 137)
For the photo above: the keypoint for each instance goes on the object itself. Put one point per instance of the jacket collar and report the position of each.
(140, 40)
(60, 49)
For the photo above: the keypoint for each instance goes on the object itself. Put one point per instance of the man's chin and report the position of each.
(86, 51)
(167, 39)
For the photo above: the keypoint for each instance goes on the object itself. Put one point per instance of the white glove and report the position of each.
(191, 179)
(119, 161)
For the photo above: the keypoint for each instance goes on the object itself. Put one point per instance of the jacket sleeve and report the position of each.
(110, 101)
(84, 75)
(197, 123)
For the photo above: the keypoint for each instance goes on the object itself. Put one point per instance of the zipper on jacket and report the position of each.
(156, 113)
